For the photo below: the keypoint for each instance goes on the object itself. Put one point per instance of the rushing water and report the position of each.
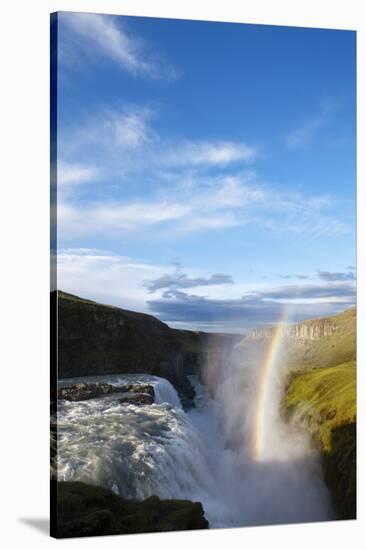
(160, 449)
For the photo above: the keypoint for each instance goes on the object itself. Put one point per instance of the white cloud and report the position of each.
(82, 251)
(206, 204)
(131, 128)
(73, 173)
(114, 218)
(209, 153)
(115, 139)
(110, 132)
(210, 206)
(100, 34)
(104, 277)
(300, 137)
(122, 281)
(109, 278)
(125, 139)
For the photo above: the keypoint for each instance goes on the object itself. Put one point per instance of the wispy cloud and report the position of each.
(339, 292)
(128, 283)
(336, 276)
(76, 173)
(117, 139)
(124, 139)
(206, 204)
(182, 280)
(282, 276)
(181, 189)
(104, 35)
(254, 308)
(301, 137)
(109, 132)
(105, 277)
(210, 153)
(112, 218)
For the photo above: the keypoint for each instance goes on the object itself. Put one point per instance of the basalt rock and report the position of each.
(313, 329)
(133, 393)
(137, 398)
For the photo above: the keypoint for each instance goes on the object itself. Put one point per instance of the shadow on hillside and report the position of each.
(340, 469)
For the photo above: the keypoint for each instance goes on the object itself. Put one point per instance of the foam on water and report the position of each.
(138, 451)
(159, 449)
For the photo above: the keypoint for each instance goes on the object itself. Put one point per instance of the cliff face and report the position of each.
(314, 343)
(307, 330)
(96, 339)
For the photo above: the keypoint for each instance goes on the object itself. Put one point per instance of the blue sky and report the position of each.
(206, 171)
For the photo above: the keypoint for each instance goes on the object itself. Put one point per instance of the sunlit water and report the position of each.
(160, 449)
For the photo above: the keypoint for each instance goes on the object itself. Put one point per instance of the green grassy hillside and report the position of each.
(323, 401)
(324, 398)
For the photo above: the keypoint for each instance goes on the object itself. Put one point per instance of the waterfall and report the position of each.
(159, 449)
(166, 393)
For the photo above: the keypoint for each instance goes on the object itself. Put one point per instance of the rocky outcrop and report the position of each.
(136, 394)
(86, 510)
(313, 330)
(308, 330)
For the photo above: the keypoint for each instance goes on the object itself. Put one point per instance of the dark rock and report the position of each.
(143, 388)
(339, 465)
(137, 398)
(86, 510)
(132, 393)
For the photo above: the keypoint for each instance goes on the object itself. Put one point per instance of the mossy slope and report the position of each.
(323, 401)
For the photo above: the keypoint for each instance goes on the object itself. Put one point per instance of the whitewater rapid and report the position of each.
(159, 449)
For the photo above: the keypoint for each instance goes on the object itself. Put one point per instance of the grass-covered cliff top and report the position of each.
(190, 341)
(73, 300)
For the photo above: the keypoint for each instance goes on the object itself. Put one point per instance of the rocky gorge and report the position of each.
(112, 361)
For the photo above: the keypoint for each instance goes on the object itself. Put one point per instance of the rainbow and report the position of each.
(264, 388)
